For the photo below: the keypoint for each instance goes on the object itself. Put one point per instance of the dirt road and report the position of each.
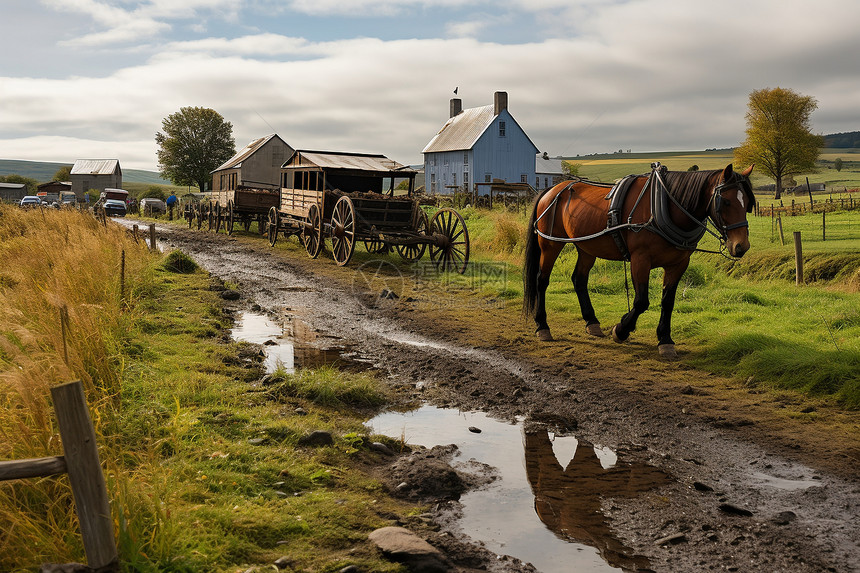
(709, 476)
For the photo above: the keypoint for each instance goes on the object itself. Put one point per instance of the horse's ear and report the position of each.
(727, 172)
(748, 170)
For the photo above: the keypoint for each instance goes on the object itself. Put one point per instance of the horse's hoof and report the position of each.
(595, 330)
(544, 335)
(667, 351)
(615, 336)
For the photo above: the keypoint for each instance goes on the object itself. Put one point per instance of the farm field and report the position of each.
(198, 446)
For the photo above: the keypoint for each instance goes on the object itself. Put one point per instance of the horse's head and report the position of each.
(732, 199)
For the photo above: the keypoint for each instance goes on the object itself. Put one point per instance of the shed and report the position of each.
(257, 165)
(480, 144)
(95, 174)
(548, 171)
(12, 192)
(349, 172)
(55, 187)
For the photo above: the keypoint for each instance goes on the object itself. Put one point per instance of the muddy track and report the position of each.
(744, 488)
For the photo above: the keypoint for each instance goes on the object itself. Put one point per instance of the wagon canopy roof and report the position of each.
(364, 162)
(95, 166)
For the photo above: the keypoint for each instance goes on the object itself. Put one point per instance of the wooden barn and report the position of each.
(95, 174)
(257, 165)
(12, 192)
(478, 145)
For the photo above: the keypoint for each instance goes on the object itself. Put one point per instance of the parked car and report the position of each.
(30, 201)
(114, 207)
(152, 207)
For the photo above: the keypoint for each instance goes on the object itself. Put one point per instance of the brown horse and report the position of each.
(653, 220)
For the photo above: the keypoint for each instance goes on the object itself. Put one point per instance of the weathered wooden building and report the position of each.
(55, 187)
(478, 145)
(258, 164)
(12, 192)
(95, 175)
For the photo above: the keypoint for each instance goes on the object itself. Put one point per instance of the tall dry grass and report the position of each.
(61, 319)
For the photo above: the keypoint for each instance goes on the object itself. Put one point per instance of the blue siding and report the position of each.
(493, 156)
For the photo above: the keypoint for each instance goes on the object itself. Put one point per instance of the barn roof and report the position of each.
(463, 130)
(95, 166)
(235, 162)
(12, 185)
(548, 166)
(367, 162)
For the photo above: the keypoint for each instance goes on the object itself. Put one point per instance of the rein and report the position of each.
(660, 222)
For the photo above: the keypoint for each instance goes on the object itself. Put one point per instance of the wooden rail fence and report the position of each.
(81, 462)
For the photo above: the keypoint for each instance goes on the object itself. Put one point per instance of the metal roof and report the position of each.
(463, 130)
(12, 185)
(95, 166)
(548, 166)
(353, 161)
(236, 161)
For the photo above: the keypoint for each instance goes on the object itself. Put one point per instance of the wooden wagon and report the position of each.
(227, 207)
(352, 197)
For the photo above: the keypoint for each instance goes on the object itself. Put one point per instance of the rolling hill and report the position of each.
(43, 171)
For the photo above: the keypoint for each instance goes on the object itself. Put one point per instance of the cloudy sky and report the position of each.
(95, 78)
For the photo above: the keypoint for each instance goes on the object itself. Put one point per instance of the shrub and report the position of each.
(179, 262)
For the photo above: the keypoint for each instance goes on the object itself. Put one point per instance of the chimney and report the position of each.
(501, 102)
(456, 106)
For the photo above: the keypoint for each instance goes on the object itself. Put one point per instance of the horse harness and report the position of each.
(660, 221)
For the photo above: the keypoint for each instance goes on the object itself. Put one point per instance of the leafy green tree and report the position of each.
(779, 140)
(196, 140)
(837, 164)
(64, 173)
(570, 169)
(693, 167)
(155, 192)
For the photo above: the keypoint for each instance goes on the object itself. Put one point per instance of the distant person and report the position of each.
(171, 201)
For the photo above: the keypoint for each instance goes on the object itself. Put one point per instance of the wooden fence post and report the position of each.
(152, 245)
(798, 258)
(85, 474)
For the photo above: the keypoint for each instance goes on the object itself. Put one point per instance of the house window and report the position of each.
(524, 178)
(466, 178)
(488, 177)
(501, 129)
(537, 182)
(454, 178)
(466, 158)
(546, 181)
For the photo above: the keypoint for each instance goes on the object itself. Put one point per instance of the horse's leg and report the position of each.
(671, 278)
(584, 263)
(639, 271)
(549, 253)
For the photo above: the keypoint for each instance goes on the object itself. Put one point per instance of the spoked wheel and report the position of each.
(312, 236)
(272, 226)
(229, 221)
(343, 230)
(198, 216)
(411, 253)
(210, 217)
(218, 217)
(450, 251)
(375, 246)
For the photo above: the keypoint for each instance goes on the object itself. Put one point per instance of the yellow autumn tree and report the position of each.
(779, 140)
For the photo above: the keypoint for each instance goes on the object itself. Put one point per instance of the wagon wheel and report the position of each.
(219, 217)
(189, 215)
(228, 223)
(312, 236)
(198, 216)
(375, 246)
(343, 230)
(272, 226)
(412, 253)
(450, 251)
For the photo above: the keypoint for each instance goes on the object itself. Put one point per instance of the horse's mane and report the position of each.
(687, 186)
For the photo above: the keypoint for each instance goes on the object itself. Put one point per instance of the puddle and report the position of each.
(784, 483)
(545, 508)
(292, 344)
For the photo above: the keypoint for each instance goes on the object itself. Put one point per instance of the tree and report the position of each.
(196, 140)
(837, 164)
(29, 183)
(779, 140)
(570, 169)
(64, 173)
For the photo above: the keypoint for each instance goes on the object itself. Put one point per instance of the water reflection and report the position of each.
(545, 506)
(568, 497)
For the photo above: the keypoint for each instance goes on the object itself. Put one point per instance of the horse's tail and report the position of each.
(531, 264)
